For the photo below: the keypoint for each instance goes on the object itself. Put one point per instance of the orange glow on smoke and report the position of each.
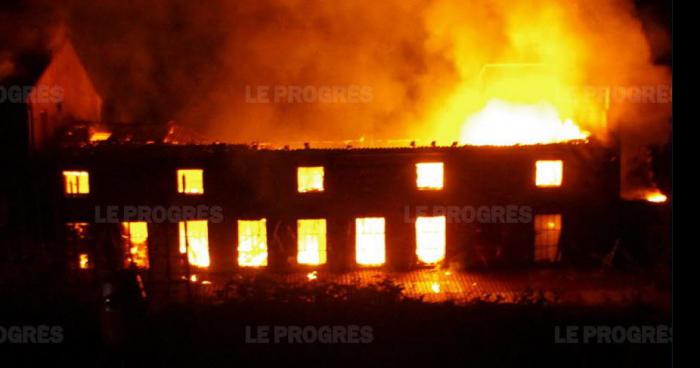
(369, 241)
(430, 175)
(135, 240)
(310, 179)
(252, 243)
(194, 235)
(430, 239)
(549, 173)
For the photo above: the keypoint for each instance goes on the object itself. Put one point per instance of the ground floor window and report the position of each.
(252, 243)
(194, 240)
(547, 234)
(135, 244)
(430, 239)
(311, 241)
(370, 241)
(78, 241)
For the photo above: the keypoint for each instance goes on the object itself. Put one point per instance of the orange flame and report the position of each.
(656, 196)
(502, 123)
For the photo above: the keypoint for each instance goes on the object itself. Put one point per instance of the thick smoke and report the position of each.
(197, 62)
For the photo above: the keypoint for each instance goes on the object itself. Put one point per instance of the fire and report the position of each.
(311, 238)
(84, 262)
(549, 173)
(369, 241)
(194, 236)
(252, 243)
(430, 239)
(429, 175)
(656, 196)
(190, 181)
(135, 238)
(547, 234)
(100, 136)
(76, 182)
(501, 123)
(311, 276)
(310, 179)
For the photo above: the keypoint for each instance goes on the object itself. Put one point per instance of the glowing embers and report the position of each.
(194, 240)
(311, 241)
(310, 179)
(84, 261)
(547, 234)
(76, 183)
(135, 244)
(77, 231)
(252, 243)
(430, 239)
(430, 175)
(549, 173)
(655, 196)
(99, 136)
(190, 181)
(369, 241)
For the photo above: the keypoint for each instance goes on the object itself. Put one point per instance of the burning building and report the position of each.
(228, 208)
(533, 177)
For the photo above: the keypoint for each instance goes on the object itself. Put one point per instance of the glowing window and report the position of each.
(549, 173)
(310, 179)
(547, 233)
(252, 243)
(194, 240)
(430, 239)
(135, 244)
(83, 261)
(311, 241)
(429, 175)
(190, 181)
(369, 241)
(76, 182)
